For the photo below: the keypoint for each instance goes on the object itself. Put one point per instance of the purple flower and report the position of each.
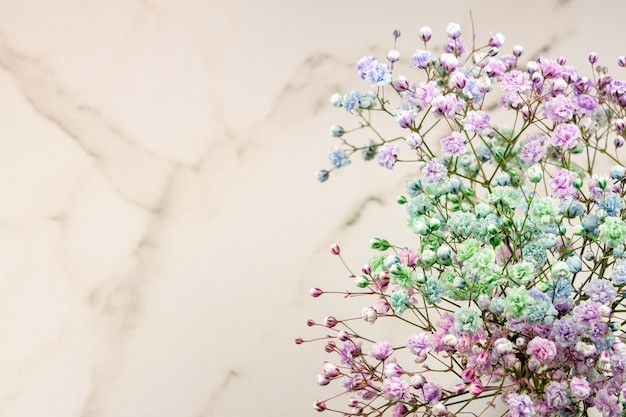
(566, 136)
(565, 332)
(363, 65)
(388, 155)
(601, 291)
(448, 105)
(425, 92)
(585, 104)
(494, 67)
(422, 59)
(454, 144)
(619, 272)
(431, 393)
(580, 387)
(533, 150)
(608, 404)
(381, 350)
(434, 170)
(349, 351)
(586, 312)
(558, 109)
(395, 389)
(477, 121)
(543, 350)
(520, 405)
(455, 46)
(516, 82)
(562, 184)
(556, 395)
(550, 68)
(419, 344)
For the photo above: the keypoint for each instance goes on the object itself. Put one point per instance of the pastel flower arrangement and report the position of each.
(511, 295)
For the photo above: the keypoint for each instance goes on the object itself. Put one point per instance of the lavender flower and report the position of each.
(520, 405)
(566, 135)
(395, 389)
(434, 170)
(388, 155)
(454, 144)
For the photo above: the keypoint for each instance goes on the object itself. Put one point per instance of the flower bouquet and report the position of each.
(510, 294)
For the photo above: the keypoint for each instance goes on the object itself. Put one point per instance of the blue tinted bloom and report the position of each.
(619, 273)
(422, 59)
(433, 290)
(321, 175)
(378, 75)
(351, 101)
(590, 222)
(617, 172)
(338, 157)
(571, 208)
(612, 204)
(565, 332)
(467, 321)
(561, 289)
(601, 291)
(399, 301)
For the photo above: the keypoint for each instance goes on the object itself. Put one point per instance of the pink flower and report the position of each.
(562, 183)
(381, 350)
(543, 350)
(566, 136)
(395, 389)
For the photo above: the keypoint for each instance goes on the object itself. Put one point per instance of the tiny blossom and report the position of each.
(419, 344)
(477, 121)
(562, 183)
(363, 65)
(559, 109)
(434, 170)
(431, 392)
(566, 136)
(454, 144)
(600, 291)
(378, 75)
(425, 92)
(395, 389)
(351, 101)
(467, 321)
(422, 59)
(612, 232)
(388, 155)
(520, 405)
(338, 157)
(544, 350)
(381, 350)
(585, 104)
(533, 150)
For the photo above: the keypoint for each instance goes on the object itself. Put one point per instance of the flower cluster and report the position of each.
(511, 293)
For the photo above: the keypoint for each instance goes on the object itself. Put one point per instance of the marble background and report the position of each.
(160, 224)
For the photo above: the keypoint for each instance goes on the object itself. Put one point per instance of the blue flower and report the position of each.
(378, 75)
(422, 59)
(338, 157)
(612, 204)
(351, 101)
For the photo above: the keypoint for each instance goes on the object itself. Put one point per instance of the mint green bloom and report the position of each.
(449, 280)
(543, 210)
(462, 223)
(367, 100)
(612, 232)
(517, 302)
(402, 275)
(467, 249)
(483, 262)
(483, 210)
(558, 270)
(467, 321)
(377, 263)
(505, 195)
(521, 273)
(541, 311)
(400, 301)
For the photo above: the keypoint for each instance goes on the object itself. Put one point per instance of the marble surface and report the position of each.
(160, 225)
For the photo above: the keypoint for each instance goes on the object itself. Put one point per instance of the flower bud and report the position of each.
(315, 292)
(496, 40)
(337, 131)
(401, 83)
(593, 57)
(604, 310)
(434, 223)
(369, 315)
(493, 51)
(414, 140)
(319, 405)
(453, 30)
(518, 50)
(335, 249)
(381, 306)
(618, 142)
(476, 387)
(417, 381)
(330, 321)
(396, 33)
(459, 388)
(343, 335)
(439, 409)
(299, 341)
(444, 252)
(425, 33)
(578, 183)
(617, 172)
(621, 61)
(361, 281)
(601, 183)
(330, 370)
(322, 380)
(450, 340)
(604, 359)
(428, 256)
(392, 369)
(393, 56)
(379, 244)
(330, 347)
(534, 173)
(620, 125)
(468, 374)
(336, 100)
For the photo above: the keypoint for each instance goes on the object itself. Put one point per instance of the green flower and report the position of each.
(543, 211)
(450, 282)
(612, 232)
(462, 223)
(377, 263)
(541, 311)
(400, 301)
(402, 275)
(517, 302)
(505, 195)
(467, 321)
(467, 249)
(483, 262)
(521, 273)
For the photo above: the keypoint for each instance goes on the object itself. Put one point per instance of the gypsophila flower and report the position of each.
(388, 155)
(434, 170)
(454, 144)
(512, 282)
(566, 135)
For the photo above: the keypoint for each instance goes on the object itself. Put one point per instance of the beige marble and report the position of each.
(159, 221)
